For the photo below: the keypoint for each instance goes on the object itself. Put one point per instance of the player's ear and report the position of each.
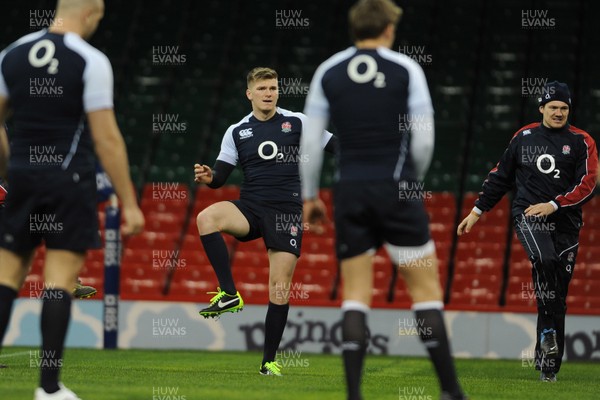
(248, 94)
(541, 108)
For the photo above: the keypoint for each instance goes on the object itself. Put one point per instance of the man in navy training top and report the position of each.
(553, 166)
(379, 103)
(266, 145)
(60, 92)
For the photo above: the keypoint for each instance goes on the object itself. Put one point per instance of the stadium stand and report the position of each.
(479, 101)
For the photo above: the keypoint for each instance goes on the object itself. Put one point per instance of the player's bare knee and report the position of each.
(425, 290)
(419, 296)
(206, 222)
(279, 291)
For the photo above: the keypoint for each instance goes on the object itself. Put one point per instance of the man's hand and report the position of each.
(315, 214)
(134, 220)
(539, 210)
(467, 223)
(202, 174)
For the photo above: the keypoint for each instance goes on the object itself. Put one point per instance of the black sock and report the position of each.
(275, 321)
(354, 346)
(56, 312)
(433, 335)
(7, 297)
(217, 253)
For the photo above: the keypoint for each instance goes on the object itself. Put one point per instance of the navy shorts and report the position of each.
(57, 207)
(279, 225)
(369, 214)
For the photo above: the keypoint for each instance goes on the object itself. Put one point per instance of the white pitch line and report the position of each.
(22, 353)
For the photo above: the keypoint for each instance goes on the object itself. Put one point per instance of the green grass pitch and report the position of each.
(199, 375)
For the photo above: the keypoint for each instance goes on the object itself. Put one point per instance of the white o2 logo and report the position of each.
(551, 168)
(46, 59)
(272, 154)
(370, 73)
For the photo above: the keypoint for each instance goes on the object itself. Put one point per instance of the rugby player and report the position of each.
(553, 166)
(266, 145)
(379, 103)
(59, 90)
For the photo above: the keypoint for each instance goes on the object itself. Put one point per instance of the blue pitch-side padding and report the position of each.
(112, 265)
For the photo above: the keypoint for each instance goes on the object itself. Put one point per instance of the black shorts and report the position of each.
(369, 214)
(58, 207)
(279, 225)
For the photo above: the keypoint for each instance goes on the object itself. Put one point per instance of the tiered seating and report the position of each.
(250, 268)
(583, 296)
(196, 277)
(441, 208)
(317, 266)
(34, 282)
(148, 257)
(520, 295)
(475, 88)
(316, 272)
(92, 272)
(479, 258)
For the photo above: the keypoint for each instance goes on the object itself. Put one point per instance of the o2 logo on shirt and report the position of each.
(46, 59)
(286, 155)
(272, 152)
(551, 168)
(371, 73)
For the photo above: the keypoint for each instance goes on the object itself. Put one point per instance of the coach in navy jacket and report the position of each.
(553, 166)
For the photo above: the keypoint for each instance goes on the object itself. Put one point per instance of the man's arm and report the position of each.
(4, 147)
(110, 148)
(499, 180)
(420, 109)
(316, 110)
(224, 165)
(422, 143)
(310, 146)
(586, 175)
(213, 178)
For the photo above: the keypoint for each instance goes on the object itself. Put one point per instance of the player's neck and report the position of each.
(263, 116)
(372, 43)
(65, 25)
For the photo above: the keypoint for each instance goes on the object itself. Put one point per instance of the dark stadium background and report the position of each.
(481, 62)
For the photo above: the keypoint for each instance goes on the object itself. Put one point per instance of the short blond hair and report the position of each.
(260, 73)
(369, 18)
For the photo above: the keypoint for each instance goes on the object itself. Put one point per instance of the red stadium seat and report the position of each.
(590, 270)
(251, 275)
(227, 192)
(152, 240)
(318, 245)
(194, 257)
(250, 259)
(252, 246)
(582, 287)
(441, 200)
(165, 191)
(442, 215)
(475, 290)
(316, 261)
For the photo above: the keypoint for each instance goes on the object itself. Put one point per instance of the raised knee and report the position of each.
(206, 222)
